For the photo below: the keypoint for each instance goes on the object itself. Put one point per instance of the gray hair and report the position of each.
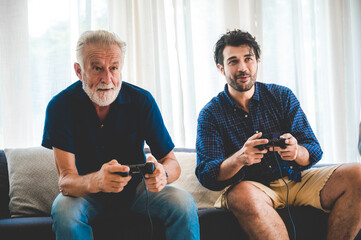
(101, 37)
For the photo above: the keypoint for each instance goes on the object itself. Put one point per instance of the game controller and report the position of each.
(277, 142)
(143, 168)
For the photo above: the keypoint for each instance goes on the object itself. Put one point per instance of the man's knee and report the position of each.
(350, 174)
(356, 171)
(67, 208)
(354, 176)
(246, 199)
(180, 200)
(178, 206)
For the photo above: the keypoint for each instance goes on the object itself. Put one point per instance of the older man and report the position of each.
(98, 126)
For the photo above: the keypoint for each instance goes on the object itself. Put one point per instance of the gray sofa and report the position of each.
(28, 185)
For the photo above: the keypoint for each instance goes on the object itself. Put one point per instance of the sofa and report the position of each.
(28, 186)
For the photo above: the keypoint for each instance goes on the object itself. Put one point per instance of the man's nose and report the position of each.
(106, 76)
(242, 66)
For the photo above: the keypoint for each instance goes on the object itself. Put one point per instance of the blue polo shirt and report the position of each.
(72, 125)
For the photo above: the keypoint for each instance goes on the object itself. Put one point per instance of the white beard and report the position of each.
(101, 98)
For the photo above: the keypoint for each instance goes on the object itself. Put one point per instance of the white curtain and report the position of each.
(310, 46)
(314, 48)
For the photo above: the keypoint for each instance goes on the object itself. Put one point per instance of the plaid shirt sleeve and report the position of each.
(300, 128)
(210, 153)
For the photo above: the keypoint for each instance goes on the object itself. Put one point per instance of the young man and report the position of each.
(249, 113)
(96, 127)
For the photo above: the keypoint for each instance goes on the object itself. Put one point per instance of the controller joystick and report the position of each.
(277, 142)
(142, 168)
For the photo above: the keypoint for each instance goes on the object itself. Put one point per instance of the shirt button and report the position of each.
(102, 125)
(235, 110)
(270, 166)
(291, 167)
(246, 116)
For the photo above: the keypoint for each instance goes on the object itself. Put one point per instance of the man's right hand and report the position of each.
(249, 154)
(107, 181)
(246, 156)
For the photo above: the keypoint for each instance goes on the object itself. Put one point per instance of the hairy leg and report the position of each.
(342, 194)
(255, 213)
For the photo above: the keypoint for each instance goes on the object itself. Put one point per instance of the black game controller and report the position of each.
(143, 168)
(277, 142)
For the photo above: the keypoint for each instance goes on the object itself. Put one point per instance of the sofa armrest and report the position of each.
(4, 187)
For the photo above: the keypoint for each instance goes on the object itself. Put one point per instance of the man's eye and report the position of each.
(232, 62)
(97, 68)
(114, 68)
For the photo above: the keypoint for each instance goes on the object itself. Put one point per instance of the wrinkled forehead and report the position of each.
(102, 53)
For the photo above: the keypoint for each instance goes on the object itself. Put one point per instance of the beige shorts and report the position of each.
(304, 193)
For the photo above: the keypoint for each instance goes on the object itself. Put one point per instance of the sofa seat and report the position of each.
(132, 227)
(31, 219)
(214, 224)
(22, 228)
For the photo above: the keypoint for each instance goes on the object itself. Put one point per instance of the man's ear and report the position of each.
(77, 69)
(221, 68)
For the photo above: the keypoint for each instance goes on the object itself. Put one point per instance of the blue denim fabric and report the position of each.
(175, 207)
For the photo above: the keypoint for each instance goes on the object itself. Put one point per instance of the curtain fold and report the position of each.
(315, 57)
(16, 87)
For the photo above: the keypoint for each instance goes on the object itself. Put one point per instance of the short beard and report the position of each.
(102, 99)
(242, 88)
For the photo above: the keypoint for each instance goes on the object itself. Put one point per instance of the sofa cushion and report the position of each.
(188, 181)
(33, 181)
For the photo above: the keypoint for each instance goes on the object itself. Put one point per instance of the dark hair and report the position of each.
(235, 38)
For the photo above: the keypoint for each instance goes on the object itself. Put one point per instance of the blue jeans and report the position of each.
(174, 207)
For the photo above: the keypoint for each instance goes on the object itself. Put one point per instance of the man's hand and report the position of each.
(248, 154)
(158, 179)
(291, 150)
(108, 181)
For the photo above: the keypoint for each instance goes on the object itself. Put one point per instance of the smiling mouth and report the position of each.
(243, 78)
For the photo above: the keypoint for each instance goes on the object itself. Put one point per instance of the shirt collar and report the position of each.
(123, 96)
(229, 99)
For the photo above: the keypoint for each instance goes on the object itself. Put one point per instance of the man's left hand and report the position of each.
(158, 179)
(291, 150)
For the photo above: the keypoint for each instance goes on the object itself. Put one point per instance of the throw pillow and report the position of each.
(188, 181)
(33, 181)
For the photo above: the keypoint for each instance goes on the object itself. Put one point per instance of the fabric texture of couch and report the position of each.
(28, 186)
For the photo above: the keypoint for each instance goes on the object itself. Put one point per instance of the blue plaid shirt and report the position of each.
(223, 128)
